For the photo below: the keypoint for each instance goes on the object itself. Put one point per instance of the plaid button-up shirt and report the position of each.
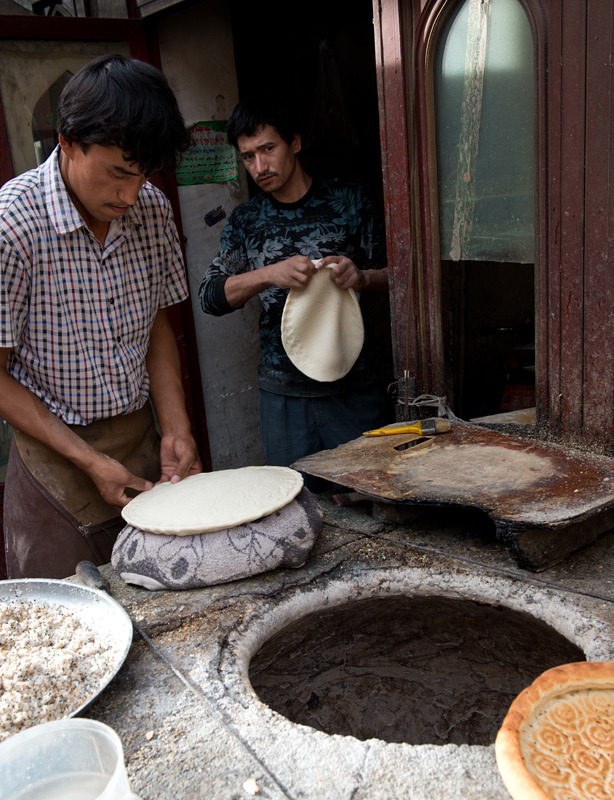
(77, 313)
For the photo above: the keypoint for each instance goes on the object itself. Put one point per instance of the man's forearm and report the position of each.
(241, 288)
(25, 412)
(164, 370)
(178, 451)
(375, 280)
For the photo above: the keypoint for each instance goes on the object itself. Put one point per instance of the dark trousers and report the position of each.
(293, 427)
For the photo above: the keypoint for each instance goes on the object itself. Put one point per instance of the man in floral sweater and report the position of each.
(267, 247)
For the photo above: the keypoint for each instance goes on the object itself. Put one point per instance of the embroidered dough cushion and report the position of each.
(557, 740)
(322, 329)
(281, 539)
(213, 501)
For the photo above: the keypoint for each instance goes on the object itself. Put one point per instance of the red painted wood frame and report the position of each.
(574, 180)
(142, 43)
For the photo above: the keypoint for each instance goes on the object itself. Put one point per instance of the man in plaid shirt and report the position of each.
(89, 260)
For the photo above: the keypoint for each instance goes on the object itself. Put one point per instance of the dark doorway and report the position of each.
(325, 63)
(488, 315)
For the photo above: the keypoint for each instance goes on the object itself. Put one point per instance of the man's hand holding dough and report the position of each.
(294, 272)
(347, 275)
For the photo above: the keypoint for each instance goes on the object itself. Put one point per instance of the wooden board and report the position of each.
(545, 500)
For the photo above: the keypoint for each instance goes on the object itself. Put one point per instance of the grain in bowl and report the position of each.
(51, 663)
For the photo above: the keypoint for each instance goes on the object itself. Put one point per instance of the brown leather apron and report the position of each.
(54, 516)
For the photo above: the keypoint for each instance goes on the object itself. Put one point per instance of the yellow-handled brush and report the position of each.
(425, 427)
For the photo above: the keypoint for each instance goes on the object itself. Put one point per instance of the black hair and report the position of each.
(259, 110)
(124, 102)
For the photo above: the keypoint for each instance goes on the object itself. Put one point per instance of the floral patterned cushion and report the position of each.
(158, 561)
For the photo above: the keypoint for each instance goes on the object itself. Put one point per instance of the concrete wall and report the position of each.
(198, 59)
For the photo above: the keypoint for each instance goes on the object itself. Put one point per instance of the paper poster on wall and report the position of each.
(210, 159)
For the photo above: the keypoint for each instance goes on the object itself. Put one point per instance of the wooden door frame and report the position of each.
(574, 190)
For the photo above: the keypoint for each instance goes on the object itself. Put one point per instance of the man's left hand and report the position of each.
(345, 273)
(178, 458)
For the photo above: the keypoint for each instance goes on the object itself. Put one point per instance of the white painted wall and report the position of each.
(198, 60)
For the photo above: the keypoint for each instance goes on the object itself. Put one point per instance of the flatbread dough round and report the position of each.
(557, 740)
(322, 329)
(212, 501)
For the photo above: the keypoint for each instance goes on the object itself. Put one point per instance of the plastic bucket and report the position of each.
(71, 759)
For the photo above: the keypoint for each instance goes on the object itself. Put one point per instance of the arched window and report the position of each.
(483, 83)
(485, 143)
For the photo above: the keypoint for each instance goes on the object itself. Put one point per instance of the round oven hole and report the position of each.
(420, 670)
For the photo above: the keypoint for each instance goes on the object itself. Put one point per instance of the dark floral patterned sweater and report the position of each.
(333, 218)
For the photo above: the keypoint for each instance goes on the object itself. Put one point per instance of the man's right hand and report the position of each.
(294, 272)
(112, 479)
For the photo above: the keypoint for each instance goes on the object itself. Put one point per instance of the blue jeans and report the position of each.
(293, 427)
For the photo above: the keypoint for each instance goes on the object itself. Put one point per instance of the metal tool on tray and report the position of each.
(89, 574)
(425, 427)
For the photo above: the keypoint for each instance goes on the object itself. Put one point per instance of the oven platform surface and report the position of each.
(546, 500)
(192, 728)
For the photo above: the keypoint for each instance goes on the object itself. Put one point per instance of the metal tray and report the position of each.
(93, 608)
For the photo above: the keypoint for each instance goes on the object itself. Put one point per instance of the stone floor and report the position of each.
(193, 727)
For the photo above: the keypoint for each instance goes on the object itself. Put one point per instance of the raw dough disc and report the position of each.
(212, 501)
(322, 329)
(557, 740)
